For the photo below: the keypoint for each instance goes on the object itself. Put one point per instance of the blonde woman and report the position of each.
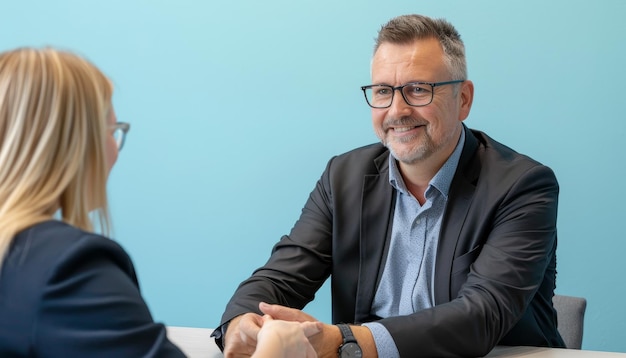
(66, 291)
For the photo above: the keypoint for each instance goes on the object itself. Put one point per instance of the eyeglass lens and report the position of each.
(414, 94)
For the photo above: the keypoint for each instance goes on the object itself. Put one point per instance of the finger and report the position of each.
(267, 318)
(238, 343)
(311, 328)
(233, 354)
(285, 313)
(249, 326)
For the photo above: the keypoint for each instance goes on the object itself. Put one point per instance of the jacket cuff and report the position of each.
(218, 334)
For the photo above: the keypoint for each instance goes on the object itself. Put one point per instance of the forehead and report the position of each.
(420, 60)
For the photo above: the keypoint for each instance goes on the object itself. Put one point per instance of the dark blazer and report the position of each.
(68, 293)
(495, 266)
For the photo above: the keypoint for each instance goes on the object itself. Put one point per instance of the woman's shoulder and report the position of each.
(47, 261)
(53, 247)
(53, 239)
(56, 271)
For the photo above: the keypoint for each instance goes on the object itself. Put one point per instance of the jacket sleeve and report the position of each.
(91, 307)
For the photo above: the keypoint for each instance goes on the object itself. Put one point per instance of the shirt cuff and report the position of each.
(385, 345)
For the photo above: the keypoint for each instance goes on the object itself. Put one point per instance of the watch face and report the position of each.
(351, 350)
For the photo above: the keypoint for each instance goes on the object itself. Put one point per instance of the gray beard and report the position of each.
(416, 155)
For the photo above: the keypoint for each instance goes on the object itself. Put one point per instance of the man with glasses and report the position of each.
(439, 242)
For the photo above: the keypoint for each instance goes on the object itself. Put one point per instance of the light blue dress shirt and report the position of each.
(407, 282)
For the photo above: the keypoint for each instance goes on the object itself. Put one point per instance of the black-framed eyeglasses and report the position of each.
(119, 133)
(416, 94)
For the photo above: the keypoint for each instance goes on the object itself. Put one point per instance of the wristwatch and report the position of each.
(349, 348)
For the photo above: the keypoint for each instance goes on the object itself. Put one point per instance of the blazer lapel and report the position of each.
(376, 215)
(459, 200)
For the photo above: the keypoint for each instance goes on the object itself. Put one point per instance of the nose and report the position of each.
(399, 107)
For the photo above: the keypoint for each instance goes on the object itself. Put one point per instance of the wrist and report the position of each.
(349, 347)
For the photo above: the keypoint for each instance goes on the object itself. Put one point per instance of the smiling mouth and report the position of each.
(404, 129)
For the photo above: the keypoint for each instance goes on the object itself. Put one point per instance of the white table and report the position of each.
(197, 343)
(194, 342)
(539, 352)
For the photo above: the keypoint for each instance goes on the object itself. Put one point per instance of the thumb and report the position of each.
(267, 318)
(311, 328)
(285, 313)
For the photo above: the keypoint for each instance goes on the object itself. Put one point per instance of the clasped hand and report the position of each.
(280, 332)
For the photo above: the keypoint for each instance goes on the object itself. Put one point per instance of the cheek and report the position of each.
(378, 117)
(111, 152)
(438, 116)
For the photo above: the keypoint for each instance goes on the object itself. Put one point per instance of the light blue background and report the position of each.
(236, 106)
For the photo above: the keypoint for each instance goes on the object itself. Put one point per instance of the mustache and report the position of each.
(403, 122)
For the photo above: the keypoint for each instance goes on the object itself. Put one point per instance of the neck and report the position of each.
(416, 178)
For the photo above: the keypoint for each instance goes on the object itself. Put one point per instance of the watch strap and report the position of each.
(346, 333)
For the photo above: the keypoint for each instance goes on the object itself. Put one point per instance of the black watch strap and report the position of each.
(346, 333)
(350, 347)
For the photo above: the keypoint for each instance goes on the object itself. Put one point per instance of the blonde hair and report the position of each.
(53, 126)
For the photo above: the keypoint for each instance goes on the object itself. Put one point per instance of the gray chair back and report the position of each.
(570, 312)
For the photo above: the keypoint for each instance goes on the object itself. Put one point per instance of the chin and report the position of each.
(407, 151)
(410, 156)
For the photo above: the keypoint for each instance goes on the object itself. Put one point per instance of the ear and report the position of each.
(466, 96)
